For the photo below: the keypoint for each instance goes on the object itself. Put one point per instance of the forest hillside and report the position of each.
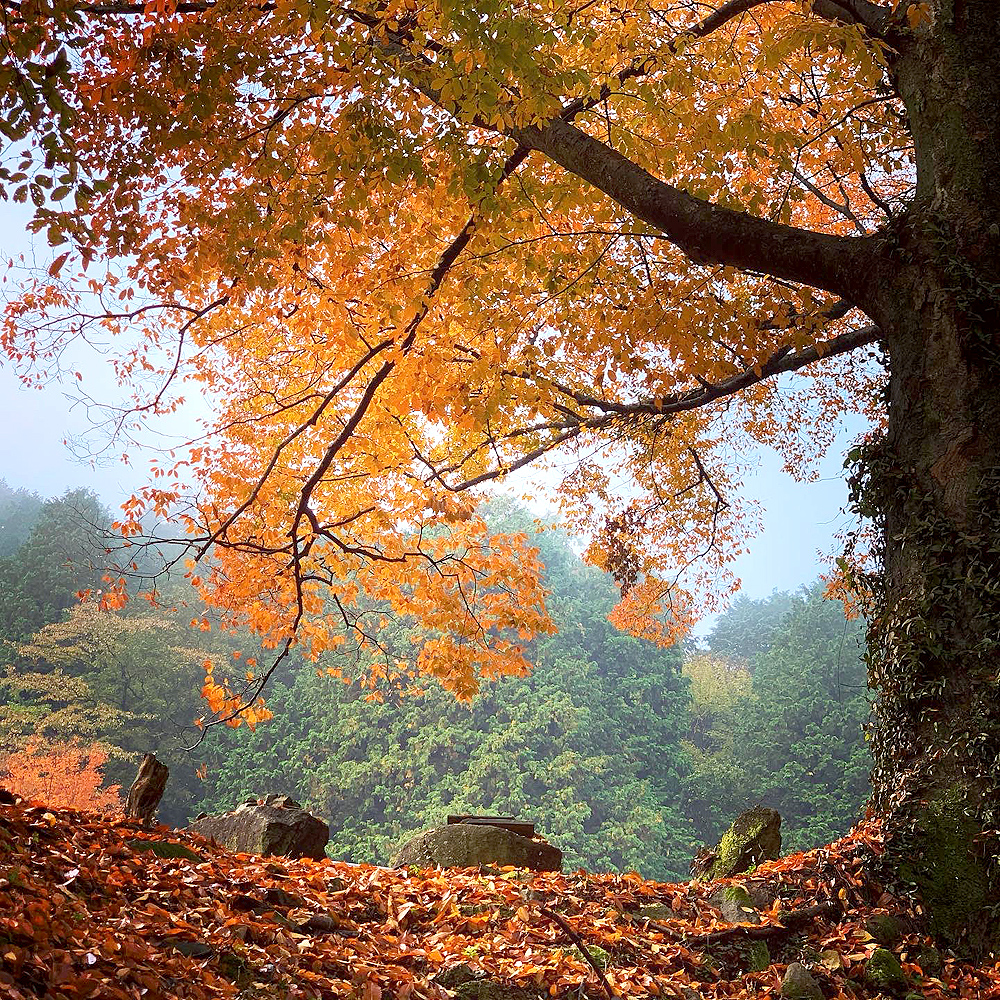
(627, 756)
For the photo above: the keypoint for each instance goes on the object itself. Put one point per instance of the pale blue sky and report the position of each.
(800, 519)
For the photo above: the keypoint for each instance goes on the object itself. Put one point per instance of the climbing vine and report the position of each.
(933, 644)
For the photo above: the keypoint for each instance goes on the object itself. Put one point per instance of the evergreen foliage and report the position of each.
(63, 553)
(624, 756)
(796, 742)
(587, 746)
(19, 509)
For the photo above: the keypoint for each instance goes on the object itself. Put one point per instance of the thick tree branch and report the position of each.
(781, 362)
(873, 17)
(608, 413)
(705, 232)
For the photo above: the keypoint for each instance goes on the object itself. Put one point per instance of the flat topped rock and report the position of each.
(273, 826)
(467, 845)
(504, 822)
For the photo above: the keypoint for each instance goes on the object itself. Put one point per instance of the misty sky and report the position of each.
(800, 519)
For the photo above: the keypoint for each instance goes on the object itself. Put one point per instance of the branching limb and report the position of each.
(789, 923)
(781, 361)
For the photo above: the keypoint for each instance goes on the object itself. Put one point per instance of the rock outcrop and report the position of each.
(276, 825)
(755, 836)
(735, 905)
(464, 845)
(798, 984)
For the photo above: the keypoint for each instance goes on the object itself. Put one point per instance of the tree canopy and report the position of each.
(364, 235)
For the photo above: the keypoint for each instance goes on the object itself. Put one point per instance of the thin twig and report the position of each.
(578, 941)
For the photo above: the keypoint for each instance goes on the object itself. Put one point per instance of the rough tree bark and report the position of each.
(146, 791)
(933, 483)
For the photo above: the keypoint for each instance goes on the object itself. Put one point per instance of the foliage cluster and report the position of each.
(62, 776)
(586, 745)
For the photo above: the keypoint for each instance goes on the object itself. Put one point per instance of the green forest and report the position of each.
(626, 755)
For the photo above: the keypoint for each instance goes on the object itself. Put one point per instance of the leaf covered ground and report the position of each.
(97, 907)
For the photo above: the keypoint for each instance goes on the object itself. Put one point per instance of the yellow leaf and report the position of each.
(917, 14)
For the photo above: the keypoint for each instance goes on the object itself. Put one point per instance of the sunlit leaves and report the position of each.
(85, 910)
(319, 229)
(61, 775)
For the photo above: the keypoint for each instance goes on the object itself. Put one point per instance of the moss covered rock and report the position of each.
(735, 905)
(757, 955)
(601, 957)
(884, 928)
(755, 836)
(929, 960)
(884, 972)
(491, 989)
(457, 975)
(464, 845)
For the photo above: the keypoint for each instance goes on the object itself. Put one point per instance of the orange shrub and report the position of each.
(63, 775)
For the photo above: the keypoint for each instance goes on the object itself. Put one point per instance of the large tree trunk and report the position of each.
(933, 486)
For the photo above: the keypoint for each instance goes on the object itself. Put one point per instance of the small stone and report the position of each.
(282, 802)
(491, 989)
(799, 984)
(457, 975)
(884, 972)
(654, 911)
(733, 902)
(929, 960)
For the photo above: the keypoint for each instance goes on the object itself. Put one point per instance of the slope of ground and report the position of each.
(97, 907)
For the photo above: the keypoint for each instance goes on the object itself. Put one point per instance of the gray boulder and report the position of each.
(277, 825)
(462, 845)
(735, 905)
